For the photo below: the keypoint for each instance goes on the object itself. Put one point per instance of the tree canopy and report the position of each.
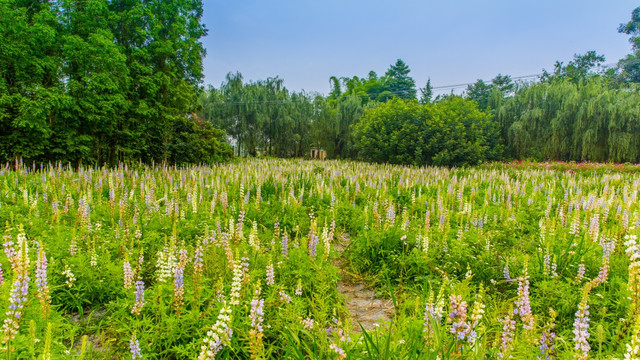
(103, 82)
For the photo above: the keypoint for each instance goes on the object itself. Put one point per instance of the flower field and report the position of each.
(242, 260)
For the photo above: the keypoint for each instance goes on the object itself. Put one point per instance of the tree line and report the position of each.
(106, 81)
(103, 81)
(579, 111)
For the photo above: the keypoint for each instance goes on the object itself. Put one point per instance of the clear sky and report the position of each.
(451, 42)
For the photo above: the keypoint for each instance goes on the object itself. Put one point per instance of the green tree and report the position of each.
(426, 93)
(399, 83)
(451, 132)
(629, 67)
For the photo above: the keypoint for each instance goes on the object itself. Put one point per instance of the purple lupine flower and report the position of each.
(285, 245)
(271, 279)
(41, 281)
(581, 271)
(134, 348)
(257, 314)
(178, 279)
(523, 305)
(547, 344)
(581, 330)
(508, 328)
(284, 297)
(139, 303)
(505, 271)
(313, 243)
(460, 328)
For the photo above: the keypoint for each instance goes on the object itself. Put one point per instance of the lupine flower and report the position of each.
(338, 350)
(523, 305)
(257, 314)
(313, 244)
(19, 291)
(236, 284)
(197, 266)
(284, 297)
(139, 303)
(128, 275)
(270, 274)
(460, 328)
(307, 323)
(581, 329)
(41, 282)
(134, 348)
(505, 271)
(508, 328)
(254, 241)
(434, 311)
(285, 245)
(337, 335)
(93, 260)
(166, 264)
(633, 349)
(581, 271)
(245, 268)
(299, 288)
(70, 278)
(547, 340)
(255, 334)
(178, 281)
(633, 284)
(477, 313)
(219, 335)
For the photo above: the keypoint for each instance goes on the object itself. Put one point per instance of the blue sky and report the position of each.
(451, 42)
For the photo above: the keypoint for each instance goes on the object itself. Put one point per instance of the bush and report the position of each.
(451, 132)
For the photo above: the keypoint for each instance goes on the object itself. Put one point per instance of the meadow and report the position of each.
(242, 260)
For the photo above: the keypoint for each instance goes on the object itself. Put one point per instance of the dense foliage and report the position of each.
(239, 261)
(102, 82)
(560, 119)
(448, 132)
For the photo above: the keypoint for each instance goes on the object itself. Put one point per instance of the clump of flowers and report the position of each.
(271, 277)
(128, 275)
(256, 333)
(581, 328)
(236, 284)
(298, 291)
(547, 340)
(70, 278)
(19, 290)
(633, 251)
(139, 303)
(42, 284)
(434, 311)
(178, 281)
(460, 327)
(219, 335)
(166, 264)
(477, 312)
(134, 348)
(523, 305)
(508, 329)
(337, 336)
(307, 323)
(284, 297)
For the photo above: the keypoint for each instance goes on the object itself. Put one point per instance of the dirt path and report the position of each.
(361, 302)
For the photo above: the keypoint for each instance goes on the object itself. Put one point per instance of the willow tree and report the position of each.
(564, 120)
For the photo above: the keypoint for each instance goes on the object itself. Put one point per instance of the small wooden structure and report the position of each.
(318, 153)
